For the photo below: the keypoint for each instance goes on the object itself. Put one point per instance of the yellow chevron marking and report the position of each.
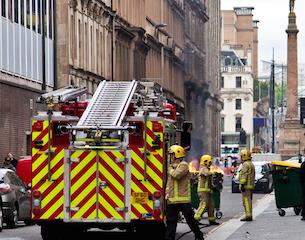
(36, 134)
(83, 162)
(86, 191)
(110, 209)
(53, 208)
(84, 209)
(114, 197)
(44, 171)
(135, 172)
(154, 176)
(113, 164)
(101, 214)
(45, 141)
(52, 194)
(111, 179)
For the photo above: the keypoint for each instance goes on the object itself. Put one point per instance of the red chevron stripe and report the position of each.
(111, 171)
(83, 186)
(81, 158)
(52, 202)
(113, 157)
(139, 184)
(42, 134)
(45, 163)
(138, 167)
(82, 172)
(110, 201)
(85, 200)
(41, 166)
(90, 210)
(52, 186)
(113, 188)
(135, 211)
(103, 210)
(57, 212)
(53, 170)
(155, 169)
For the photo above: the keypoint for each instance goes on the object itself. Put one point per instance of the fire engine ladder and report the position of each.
(108, 105)
(62, 95)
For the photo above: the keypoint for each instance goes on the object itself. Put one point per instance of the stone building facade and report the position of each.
(172, 42)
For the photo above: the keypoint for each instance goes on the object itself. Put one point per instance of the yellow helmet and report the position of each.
(206, 160)
(177, 150)
(245, 155)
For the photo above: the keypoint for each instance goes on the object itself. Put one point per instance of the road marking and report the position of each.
(226, 229)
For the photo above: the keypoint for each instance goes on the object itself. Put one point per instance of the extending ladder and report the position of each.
(108, 105)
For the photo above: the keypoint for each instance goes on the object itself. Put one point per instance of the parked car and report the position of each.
(16, 198)
(263, 178)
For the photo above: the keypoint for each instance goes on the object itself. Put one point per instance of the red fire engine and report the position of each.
(106, 169)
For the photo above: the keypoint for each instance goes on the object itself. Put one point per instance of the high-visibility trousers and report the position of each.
(247, 196)
(206, 204)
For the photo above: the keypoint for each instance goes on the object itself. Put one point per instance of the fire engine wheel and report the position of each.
(158, 229)
(13, 219)
(52, 232)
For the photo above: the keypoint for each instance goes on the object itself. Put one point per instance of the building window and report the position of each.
(222, 82)
(3, 8)
(222, 124)
(238, 104)
(238, 82)
(237, 124)
(16, 12)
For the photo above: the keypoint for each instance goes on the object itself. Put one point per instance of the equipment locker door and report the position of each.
(95, 186)
(80, 185)
(114, 190)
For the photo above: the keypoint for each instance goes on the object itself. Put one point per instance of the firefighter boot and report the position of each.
(246, 219)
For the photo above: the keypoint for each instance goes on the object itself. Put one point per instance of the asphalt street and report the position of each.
(231, 207)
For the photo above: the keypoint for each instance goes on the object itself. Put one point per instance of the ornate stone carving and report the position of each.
(73, 4)
(291, 5)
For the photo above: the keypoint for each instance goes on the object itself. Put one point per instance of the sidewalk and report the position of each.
(267, 224)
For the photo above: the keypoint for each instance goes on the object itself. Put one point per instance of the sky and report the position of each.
(273, 17)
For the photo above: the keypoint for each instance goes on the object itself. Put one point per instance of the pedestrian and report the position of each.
(205, 190)
(8, 163)
(178, 194)
(14, 161)
(246, 183)
(302, 178)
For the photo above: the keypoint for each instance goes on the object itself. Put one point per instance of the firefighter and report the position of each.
(246, 183)
(178, 194)
(205, 190)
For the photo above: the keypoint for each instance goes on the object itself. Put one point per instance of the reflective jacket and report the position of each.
(205, 179)
(247, 174)
(178, 187)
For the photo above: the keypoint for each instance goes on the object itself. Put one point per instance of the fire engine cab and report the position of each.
(107, 168)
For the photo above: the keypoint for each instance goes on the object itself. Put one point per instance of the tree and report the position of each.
(260, 90)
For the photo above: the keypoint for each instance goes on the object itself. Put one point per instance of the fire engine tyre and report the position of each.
(13, 219)
(158, 230)
(52, 232)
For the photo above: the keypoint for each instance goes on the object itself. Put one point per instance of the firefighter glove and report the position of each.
(242, 187)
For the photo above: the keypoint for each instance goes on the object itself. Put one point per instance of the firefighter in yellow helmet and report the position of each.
(205, 190)
(246, 182)
(178, 194)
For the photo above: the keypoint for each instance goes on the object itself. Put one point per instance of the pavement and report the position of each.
(267, 224)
